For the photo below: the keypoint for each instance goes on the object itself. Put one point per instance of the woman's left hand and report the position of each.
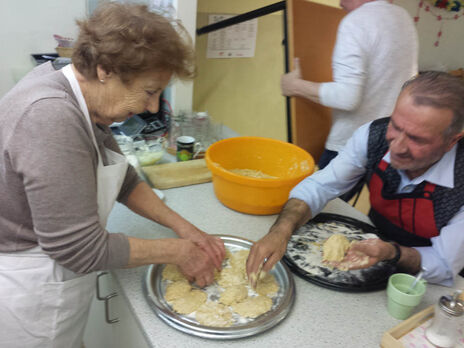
(146, 203)
(212, 245)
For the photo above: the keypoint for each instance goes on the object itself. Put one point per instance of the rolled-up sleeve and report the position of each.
(338, 177)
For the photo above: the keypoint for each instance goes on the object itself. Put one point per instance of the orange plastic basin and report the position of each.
(288, 162)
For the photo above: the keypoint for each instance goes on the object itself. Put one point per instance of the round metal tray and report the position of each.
(154, 288)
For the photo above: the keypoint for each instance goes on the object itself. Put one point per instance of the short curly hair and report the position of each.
(128, 40)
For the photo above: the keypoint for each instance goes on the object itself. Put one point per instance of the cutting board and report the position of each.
(169, 175)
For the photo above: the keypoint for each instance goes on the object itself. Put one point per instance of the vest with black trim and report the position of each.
(410, 219)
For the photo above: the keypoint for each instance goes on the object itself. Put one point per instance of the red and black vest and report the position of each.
(410, 219)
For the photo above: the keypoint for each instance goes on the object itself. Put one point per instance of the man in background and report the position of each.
(413, 162)
(375, 53)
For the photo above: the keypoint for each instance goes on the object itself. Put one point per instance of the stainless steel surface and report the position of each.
(154, 289)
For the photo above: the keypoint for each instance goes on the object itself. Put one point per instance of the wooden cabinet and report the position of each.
(312, 30)
(121, 334)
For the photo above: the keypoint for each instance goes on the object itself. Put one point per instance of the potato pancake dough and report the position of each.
(177, 290)
(214, 314)
(238, 260)
(252, 173)
(172, 272)
(233, 294)
(335, 247)
(190, 302)
(228, 296)
(253, 307)
(231, 276)
(267, 285)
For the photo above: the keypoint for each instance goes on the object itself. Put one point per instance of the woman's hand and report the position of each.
(213, 246)
(193, 261)
(196, 265)
(145, 202)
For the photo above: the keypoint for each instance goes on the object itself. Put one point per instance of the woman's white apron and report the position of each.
(43, 304)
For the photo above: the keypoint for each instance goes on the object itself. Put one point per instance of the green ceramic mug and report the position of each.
(401, 301)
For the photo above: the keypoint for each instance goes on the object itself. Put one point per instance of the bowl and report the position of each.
(287, 164)
(148, 151)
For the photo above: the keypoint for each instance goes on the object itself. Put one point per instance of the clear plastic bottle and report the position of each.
(201, 126)
(444, 330)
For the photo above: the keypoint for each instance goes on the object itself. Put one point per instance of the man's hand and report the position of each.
(267, 251)
(288, 81)
(367, 253)
(196, 265)
(271, 248)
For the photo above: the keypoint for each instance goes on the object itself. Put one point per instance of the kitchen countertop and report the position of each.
(319, 318)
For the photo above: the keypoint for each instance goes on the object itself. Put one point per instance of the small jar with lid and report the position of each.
(444, 330)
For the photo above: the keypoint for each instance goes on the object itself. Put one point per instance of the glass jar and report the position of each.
(444, 330)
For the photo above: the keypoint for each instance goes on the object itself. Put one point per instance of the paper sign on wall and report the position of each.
(236, 41)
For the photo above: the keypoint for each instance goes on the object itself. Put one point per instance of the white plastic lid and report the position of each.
(202, 114)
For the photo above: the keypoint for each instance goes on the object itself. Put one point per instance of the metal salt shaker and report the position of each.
(443, 332)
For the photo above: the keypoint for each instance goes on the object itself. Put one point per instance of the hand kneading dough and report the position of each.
(335, 247)
(190, 302)
(233, 281)
(253, 307)
(172, 272)
(177, 290)
(214, 314)
(234, 294)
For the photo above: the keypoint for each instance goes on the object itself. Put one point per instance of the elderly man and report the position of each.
(375, 53)
(413, 163)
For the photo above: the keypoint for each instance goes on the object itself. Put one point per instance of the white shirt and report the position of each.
(445, 258)
(375, 53)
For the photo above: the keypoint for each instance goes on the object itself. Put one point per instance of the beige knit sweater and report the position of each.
(48, 188)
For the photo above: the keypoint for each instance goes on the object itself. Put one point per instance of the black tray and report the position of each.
(304, 255)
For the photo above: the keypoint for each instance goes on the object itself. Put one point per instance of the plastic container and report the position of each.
(126, 144)
(201, 126)
(287, 162)
(149, 152)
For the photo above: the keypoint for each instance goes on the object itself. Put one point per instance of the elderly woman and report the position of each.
(61, 172)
